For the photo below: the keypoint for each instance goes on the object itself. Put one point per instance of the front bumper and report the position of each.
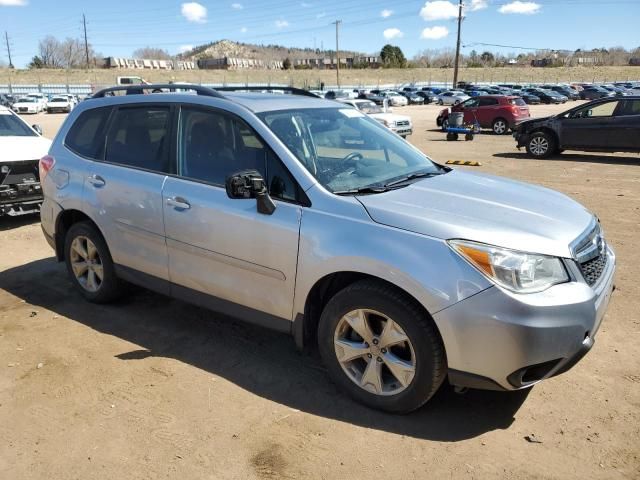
(402, 131)
(20, 199)
(521, 138)
(504, 341)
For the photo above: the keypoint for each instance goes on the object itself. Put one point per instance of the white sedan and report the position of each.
(21, 147)
(400, 124)
(452, 97)
(28, 105)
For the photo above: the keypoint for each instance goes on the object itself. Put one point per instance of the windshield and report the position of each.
(345, 150)
(28, 100)
(10, 126)
(59, 99)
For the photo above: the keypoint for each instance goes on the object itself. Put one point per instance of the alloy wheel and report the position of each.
(374, 352)
(499, 127)
(539, 146)
(86, 263)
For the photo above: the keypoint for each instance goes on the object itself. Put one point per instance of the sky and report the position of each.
(118, 27)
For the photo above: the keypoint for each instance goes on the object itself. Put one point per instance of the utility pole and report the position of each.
(337, 24)
(455, 68)
(6, 38)
(86, 44)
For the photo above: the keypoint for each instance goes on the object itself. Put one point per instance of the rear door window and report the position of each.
(518, 101)
(487, 102)
(87, 135)
(628, 108)
(138, 137)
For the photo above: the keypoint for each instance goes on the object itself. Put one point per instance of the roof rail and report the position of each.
(291, 90)
(139, 89)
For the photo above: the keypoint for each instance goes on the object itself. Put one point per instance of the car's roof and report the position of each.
(256, 102)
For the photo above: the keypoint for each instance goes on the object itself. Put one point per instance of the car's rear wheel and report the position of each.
(500, 126)
(445, 124)
(89, 264)
(541, 145)
(381, 347)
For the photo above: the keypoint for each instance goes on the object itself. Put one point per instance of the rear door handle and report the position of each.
(178, 203)
(96, 181)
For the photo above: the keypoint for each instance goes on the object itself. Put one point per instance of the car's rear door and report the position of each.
(123, 191)
(591, 127)
(222, 252)
(627, 125)
(487, 111)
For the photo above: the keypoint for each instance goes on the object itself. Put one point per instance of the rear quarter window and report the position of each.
(86, 136)
(518, 101)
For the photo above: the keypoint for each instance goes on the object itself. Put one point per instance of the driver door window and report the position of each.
(602, 110)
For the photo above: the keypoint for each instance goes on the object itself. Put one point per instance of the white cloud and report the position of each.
(321, 15)
(525, 8)
(386, 13)
(477, 5)
(438, 10)
(13, 3)
(390, 33)
(434, 33)
(281, 23)
(243, 30)
(237, 6)
(185, 48)
(194, 12)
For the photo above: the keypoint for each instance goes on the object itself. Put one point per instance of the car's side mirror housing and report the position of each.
(250, 184)
(37, 128)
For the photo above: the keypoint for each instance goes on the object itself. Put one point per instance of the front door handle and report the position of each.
(178, 203)
(96, 181)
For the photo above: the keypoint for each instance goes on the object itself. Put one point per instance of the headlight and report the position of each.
(517, 271)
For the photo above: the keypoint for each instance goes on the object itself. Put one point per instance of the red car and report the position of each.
(497, 112)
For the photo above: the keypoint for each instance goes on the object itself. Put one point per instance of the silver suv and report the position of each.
(305, 215)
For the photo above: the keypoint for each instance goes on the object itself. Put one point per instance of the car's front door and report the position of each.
(627, 125)
(123, 191)
(486, 111)
(590, 127)
(243, 261)
(469, 107)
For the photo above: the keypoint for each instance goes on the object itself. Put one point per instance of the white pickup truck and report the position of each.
(400, 124)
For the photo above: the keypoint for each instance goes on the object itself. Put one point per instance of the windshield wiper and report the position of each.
(411, 176)
(369, 189)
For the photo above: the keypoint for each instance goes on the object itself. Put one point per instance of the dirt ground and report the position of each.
(155, 388)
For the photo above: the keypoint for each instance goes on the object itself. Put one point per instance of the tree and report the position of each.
(487, 58)
(151, 53)
(286, 64)
(392, 57)
(36, 62)
(69, 53)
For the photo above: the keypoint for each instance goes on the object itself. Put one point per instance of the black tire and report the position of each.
(445, 124)
(536, 145)
(452, 136)
(500, 126)
(109, 288)
(430, 360)
(468, 137)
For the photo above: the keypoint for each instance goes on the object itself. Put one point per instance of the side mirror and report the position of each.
(37, 128)
(250, 184)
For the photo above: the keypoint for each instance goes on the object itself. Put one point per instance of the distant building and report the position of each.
(345, 62)
(231, 63)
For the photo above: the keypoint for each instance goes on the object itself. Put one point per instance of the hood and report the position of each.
(392, 117)
(23, 148)
(485, 209)
(529, 121)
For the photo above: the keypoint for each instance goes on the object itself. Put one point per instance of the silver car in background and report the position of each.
(309, 217)
(452, 97)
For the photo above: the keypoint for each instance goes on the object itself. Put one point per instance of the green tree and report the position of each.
(487, 58)
(36, 62)
(392, 57)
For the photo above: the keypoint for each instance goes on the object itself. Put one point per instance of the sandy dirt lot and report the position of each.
(154, 388)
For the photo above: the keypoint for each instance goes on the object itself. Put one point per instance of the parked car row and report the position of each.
(40, 102)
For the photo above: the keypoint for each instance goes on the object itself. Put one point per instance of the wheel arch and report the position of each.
(548, 131)
(65, 220)
(305, 326)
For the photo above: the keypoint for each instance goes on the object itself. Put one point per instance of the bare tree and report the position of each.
(50, 52)
(151, 53)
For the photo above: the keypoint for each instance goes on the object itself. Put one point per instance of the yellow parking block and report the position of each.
(463, 162)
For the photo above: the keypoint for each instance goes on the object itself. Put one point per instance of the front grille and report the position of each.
(402, 123)
(23, 171)
(592, 269)
(590, 252)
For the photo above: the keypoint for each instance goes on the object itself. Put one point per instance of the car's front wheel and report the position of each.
(541, 145)
(89, 264)
(381, 347)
